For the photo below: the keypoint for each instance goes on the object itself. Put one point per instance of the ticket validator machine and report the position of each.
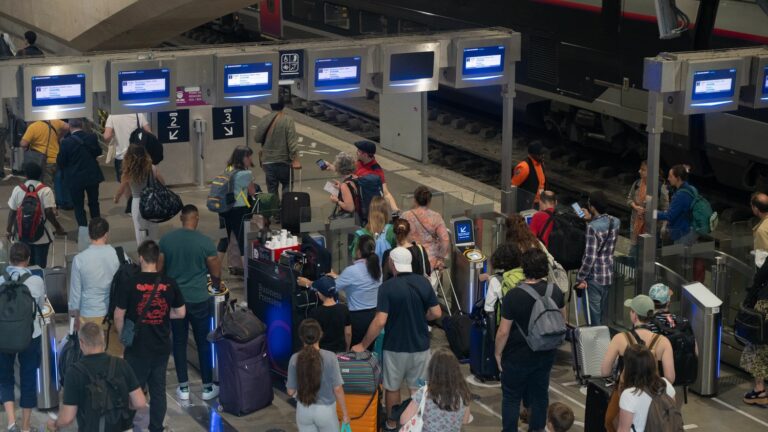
(468, 263)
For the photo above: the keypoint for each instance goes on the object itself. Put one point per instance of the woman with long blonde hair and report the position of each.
(378, 225)
(137, 169)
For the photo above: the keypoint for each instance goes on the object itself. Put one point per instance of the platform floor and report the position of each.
(725, 412)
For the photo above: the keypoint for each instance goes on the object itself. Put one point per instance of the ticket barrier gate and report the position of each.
(703, 310)
(468, 263)
(47, 372)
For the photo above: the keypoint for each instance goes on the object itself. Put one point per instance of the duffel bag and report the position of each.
(238, 324)
(158, 203)
(750, 326)
(361, 372)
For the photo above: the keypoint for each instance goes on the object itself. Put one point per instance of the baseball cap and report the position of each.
(535, 148)
(366, 147)
(401, 258)
(660, 293)
(641, 304)
(326, 286)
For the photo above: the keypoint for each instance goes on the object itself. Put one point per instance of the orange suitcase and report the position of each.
(363, 411)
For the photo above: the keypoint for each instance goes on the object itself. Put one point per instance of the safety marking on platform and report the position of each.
(474, 381)
(301, 139)
(745, 414)
(579, 404)
(690, 426)
(571, 384)
(487, 408)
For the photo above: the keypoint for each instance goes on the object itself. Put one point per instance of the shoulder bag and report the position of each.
(267, 134)
(34, 156)
(129, 327)
(158, 203)
(416, 423)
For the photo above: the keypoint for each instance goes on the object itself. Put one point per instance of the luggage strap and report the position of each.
(368, 405)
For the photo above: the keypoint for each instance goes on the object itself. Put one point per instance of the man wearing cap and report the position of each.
(596, 272)
(279, 148)
(367, 164)
(641, 311)
(333, 316)
(406, 303)
(529, 176)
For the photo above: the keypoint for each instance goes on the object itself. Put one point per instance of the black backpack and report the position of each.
(680, 334)
(125, 272)
(567, 240)
(70, 354)
(363, 190)
(107, 398)
(17, 314)
(30, 216)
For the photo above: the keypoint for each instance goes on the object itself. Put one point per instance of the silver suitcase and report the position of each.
(589, 345)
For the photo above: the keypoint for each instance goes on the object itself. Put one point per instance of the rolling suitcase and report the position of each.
(457, 326)
(588, 345)
(363, 411)
(295, 208)
(598, 397)
(482, 359)
(244, 378)
(55, 277)
(17, 160)
(360, 371)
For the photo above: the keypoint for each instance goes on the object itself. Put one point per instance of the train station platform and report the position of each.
(319, 140)
(111, 25)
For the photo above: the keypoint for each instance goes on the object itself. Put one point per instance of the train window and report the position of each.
(405, 26)
(336, 15)
(303, 9)
(371, 23)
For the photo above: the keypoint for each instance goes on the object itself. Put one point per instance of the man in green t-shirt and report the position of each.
(188, 256)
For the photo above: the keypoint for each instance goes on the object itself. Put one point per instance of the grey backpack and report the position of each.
(546, 327)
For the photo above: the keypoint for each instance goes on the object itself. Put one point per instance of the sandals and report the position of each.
(756, 398)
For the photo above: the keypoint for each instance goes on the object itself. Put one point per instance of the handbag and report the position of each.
(158, 203)
(416, 423)
(34, 156)
(750, 326)
(558, 275)
(129, 327)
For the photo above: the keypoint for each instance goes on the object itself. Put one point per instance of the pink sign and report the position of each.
(189, 96)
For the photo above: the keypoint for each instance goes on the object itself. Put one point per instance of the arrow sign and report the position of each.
(173, 135)
(228, 122)
(228, 131)
(173, 126)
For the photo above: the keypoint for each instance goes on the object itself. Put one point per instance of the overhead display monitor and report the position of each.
(51, 92)
(246, 78)
(338, 71)
(142, 86)
(331, 73)
(409, 67)
(483, 62)
(710, 86)
(713, 87)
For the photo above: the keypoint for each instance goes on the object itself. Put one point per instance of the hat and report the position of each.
(401, 258)
(642, 305)
(366, 147)
(535, 148)
(326, 286)
(660, 293)
(599, 201)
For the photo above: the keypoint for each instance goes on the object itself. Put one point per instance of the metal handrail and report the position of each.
(737, 264)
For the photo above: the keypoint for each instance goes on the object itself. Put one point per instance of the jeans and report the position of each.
(278, 173)
(598, 301)
(29, 361)
(38, 254)
(151, 372)
(78, 201)
(233, 221)
(199, 315)
(529, 379)
(118, 169)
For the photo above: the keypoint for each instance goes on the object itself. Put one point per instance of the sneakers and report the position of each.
(182, 393)
(14, 428)
(756, 398)
(210, 391)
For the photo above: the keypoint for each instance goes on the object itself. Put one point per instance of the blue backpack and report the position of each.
(703, 219)
(382, 243)
(363, 190)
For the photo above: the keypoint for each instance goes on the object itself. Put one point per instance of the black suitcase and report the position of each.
(482, 359)
(244, 377)
(295, 209)
(458, 328)
(598, 396)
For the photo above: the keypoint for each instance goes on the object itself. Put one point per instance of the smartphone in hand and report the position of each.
(578, 210)
(322, 164)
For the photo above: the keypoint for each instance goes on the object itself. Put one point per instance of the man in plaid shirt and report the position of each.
(596, 272)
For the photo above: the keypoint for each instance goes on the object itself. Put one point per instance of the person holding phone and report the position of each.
(344, 165)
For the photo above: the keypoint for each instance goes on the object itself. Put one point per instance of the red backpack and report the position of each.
(30, 219)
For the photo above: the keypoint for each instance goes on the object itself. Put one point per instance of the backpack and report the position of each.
(680, 335)
(125, 272)
(363, 190)
(69, 354)
(568, 239)
(703, 219)
(221, 196)
(546, 327)
(383, 242)
(17, 314)
(663, 414)
(30, 217)
(107, 397)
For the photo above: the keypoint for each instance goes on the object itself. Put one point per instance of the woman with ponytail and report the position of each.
(420, 262)
(314, 379)
(360, 282)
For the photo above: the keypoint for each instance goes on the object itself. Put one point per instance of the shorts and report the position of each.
(409, 367)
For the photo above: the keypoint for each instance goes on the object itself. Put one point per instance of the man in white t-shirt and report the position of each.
(29, 359)
(119, 127)
(38, 246)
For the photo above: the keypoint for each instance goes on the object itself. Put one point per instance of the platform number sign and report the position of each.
(291, 64)
(173, 126)
(228, 122)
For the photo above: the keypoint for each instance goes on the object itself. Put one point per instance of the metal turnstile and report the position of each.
(467, 265)
(702, 308)
(47, 373)
(218, 304)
